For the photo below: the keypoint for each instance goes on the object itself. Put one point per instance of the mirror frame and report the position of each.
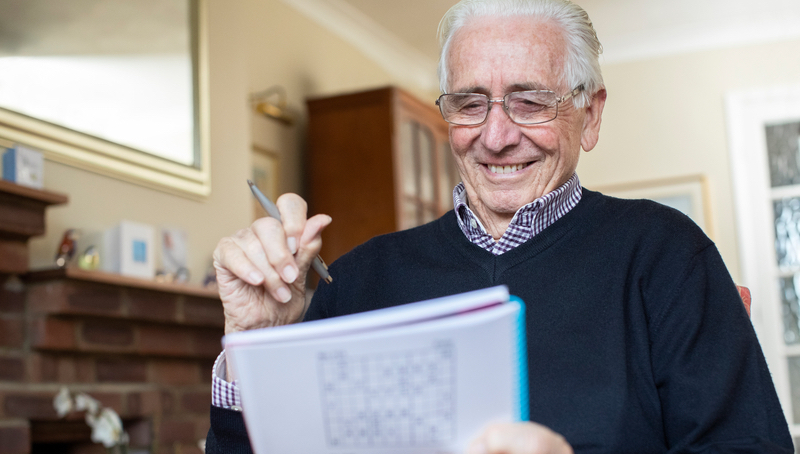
(84, 151)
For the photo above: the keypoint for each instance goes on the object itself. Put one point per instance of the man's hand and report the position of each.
(519, 438)
(261, 270)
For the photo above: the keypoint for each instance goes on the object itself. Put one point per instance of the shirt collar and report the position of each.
(527, 222)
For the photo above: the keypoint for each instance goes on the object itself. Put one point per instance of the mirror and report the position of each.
(114, 86)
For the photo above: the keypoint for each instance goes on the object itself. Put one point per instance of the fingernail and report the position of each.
(255, 278)
(284, 295)
(289, 274)
(292, 243)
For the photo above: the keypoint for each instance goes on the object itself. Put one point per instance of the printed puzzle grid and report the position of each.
(402, 398)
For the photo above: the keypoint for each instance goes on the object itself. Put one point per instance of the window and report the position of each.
(764, 141)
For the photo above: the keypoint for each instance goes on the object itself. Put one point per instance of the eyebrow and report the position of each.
(525, 86)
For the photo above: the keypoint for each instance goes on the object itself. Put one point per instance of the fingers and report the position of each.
(264, 254)
(293, 211)
(311, 239)
(231, 262)
(266, 247)
(519, 438)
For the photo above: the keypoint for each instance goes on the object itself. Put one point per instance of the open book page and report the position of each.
(424, 387)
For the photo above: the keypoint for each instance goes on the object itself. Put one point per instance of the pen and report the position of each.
(318, 265)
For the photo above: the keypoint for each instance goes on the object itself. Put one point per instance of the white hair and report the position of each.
(582, 65)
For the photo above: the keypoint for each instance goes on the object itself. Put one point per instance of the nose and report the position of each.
(499, 132)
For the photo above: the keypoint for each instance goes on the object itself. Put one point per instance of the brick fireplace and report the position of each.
(143, 348)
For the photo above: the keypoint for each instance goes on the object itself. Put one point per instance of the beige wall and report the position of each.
(253, 44)
(283, 47)
(665, 118)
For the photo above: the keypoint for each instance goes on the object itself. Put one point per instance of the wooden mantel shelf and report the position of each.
(22, 215)
(43, 196)
(119, 280)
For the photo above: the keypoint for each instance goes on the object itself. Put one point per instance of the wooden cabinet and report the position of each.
(378, 161)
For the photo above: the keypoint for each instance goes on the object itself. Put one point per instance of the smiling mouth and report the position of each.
(507, 169)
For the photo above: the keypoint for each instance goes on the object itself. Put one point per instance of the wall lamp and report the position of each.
(272, 104)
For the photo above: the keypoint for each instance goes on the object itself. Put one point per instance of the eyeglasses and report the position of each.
(528, 107)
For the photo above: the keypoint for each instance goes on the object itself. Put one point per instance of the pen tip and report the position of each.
(250, 183)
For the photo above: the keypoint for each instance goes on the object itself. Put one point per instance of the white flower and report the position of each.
(105, 422)
(106, 428)
(63, 402)
(85, 402)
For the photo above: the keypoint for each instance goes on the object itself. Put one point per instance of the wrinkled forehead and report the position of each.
(491, 54)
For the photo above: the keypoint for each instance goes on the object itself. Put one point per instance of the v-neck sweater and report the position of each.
(638, 341)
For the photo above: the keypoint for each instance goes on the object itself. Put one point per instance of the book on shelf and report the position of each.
(423, 377)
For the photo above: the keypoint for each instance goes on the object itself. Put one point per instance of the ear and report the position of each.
(591, 122)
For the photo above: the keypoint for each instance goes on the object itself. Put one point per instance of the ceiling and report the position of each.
(618, 22)
(405, 31)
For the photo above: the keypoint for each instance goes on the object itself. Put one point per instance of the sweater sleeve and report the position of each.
(228, 434)
(716, 392)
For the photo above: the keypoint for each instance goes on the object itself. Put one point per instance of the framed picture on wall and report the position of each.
(687, 194)
(264, 173)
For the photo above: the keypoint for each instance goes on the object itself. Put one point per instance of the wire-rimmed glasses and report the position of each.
(529, 107)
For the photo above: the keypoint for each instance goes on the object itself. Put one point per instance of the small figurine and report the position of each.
(163, 277)
(67, 248)
(90, 259)
(182, 275)
(210, 279)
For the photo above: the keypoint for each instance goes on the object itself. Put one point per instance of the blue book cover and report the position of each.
(521, 343)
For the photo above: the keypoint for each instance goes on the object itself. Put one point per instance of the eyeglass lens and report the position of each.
(525, 107)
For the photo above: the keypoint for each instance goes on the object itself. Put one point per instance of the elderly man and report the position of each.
(638, 341)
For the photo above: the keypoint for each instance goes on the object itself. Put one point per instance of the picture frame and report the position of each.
(265, 174)
(687, 194)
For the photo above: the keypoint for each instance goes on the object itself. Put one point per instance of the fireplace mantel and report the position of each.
(22, 215)
(143, 348)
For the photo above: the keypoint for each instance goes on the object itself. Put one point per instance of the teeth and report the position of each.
(506, 169)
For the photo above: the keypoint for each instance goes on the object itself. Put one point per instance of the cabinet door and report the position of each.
(427, 174)
(448, 176)
(419, 172)
(409, 216)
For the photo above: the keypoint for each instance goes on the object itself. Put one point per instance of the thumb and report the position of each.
(311, 240)
(519, 438)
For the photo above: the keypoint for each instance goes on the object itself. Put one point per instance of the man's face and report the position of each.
(496, 56)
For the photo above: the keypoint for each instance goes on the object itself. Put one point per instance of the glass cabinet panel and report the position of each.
(408, 158)
(783, 151)
(410, 210)
(787, 232)
(791, 309)
(446, 182)
(427, 155)
(794, 380)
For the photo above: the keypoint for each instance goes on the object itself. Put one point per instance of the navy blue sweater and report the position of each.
(637, 338)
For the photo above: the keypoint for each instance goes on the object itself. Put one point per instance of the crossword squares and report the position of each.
(401, 398)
